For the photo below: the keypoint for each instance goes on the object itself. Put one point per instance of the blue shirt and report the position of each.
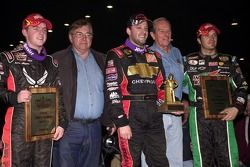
(173, 63)
(89, 96)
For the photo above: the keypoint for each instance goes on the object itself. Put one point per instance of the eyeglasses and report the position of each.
(82, 35)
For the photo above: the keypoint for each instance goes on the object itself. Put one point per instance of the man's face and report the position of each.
(138, 33)
(162, 34)
(81, 38)
(35, 36)
(208, 42)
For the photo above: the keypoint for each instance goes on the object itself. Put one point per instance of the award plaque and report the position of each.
(41, 113)
(170, 104)
(216, 95)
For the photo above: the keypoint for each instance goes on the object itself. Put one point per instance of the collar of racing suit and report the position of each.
(34, 54)
(135, 48)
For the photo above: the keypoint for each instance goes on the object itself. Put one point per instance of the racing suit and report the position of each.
(18, 71)
(213, 141)
(132, 88)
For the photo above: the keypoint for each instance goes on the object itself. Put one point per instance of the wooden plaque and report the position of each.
(216, 95)
(41, 113)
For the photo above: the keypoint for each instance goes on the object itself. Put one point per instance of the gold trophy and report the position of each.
(170, 104)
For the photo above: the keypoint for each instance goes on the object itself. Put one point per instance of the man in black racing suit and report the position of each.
(132, 88)
(213, 140)
(20, 69)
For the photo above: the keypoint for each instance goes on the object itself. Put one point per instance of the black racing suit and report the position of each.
(18, 72)
(132, 89)
(213, 140)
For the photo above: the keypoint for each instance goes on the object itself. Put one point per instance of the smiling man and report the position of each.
(21, 68)
(134, 75)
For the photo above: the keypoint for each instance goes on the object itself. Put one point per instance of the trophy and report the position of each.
(170, 104)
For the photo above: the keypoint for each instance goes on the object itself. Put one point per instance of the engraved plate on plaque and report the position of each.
(216, 95)
(41, 113)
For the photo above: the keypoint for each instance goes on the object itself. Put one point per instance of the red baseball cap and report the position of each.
(34, 20)
(206, 28)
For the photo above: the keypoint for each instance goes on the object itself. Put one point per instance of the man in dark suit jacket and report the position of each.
(81, 71)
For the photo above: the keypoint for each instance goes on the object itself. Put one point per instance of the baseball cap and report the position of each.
(137, 19)
(206, 28)
(34, 20)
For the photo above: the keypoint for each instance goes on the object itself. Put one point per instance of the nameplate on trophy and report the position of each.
(216, 95)
(41, 113)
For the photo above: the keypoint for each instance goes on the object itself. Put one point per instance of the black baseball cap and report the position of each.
(136, 19)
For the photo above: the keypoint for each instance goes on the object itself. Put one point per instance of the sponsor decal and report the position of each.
(223, 58)
(114, 95)
(111, 77)
(115, 101)
(193, 57)
(110, 63)
(196, 79)
(192, 62)
(113, 88)
(143, 81)
(112, 84)
(127, 51)
(192, 69)
(201, 62)
(150, 57)
(111, 70)
(224, 72)
(221, 63)
(202, 68)
(20, 56)
(223, 67)
(211, 64)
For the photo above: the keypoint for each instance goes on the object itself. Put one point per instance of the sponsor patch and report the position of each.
(20, 56)
(111, 70)
(192, 62)
(211, 64)
(111, 77)
(113, 88)
(223, 58)
(192, 69)
(221, 63)
(151, 57)
(196, 79)
(110, 63)
(193, 57)
(201, 62)
(127, 51)
(202, 68)
(112, 84)
(113, 95)
(115, 101)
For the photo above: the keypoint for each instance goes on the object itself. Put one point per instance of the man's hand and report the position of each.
(23, 96)
(125, 132)
(231, 113)
(59, 133)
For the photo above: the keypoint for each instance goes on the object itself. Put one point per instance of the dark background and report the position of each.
(109, 24)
